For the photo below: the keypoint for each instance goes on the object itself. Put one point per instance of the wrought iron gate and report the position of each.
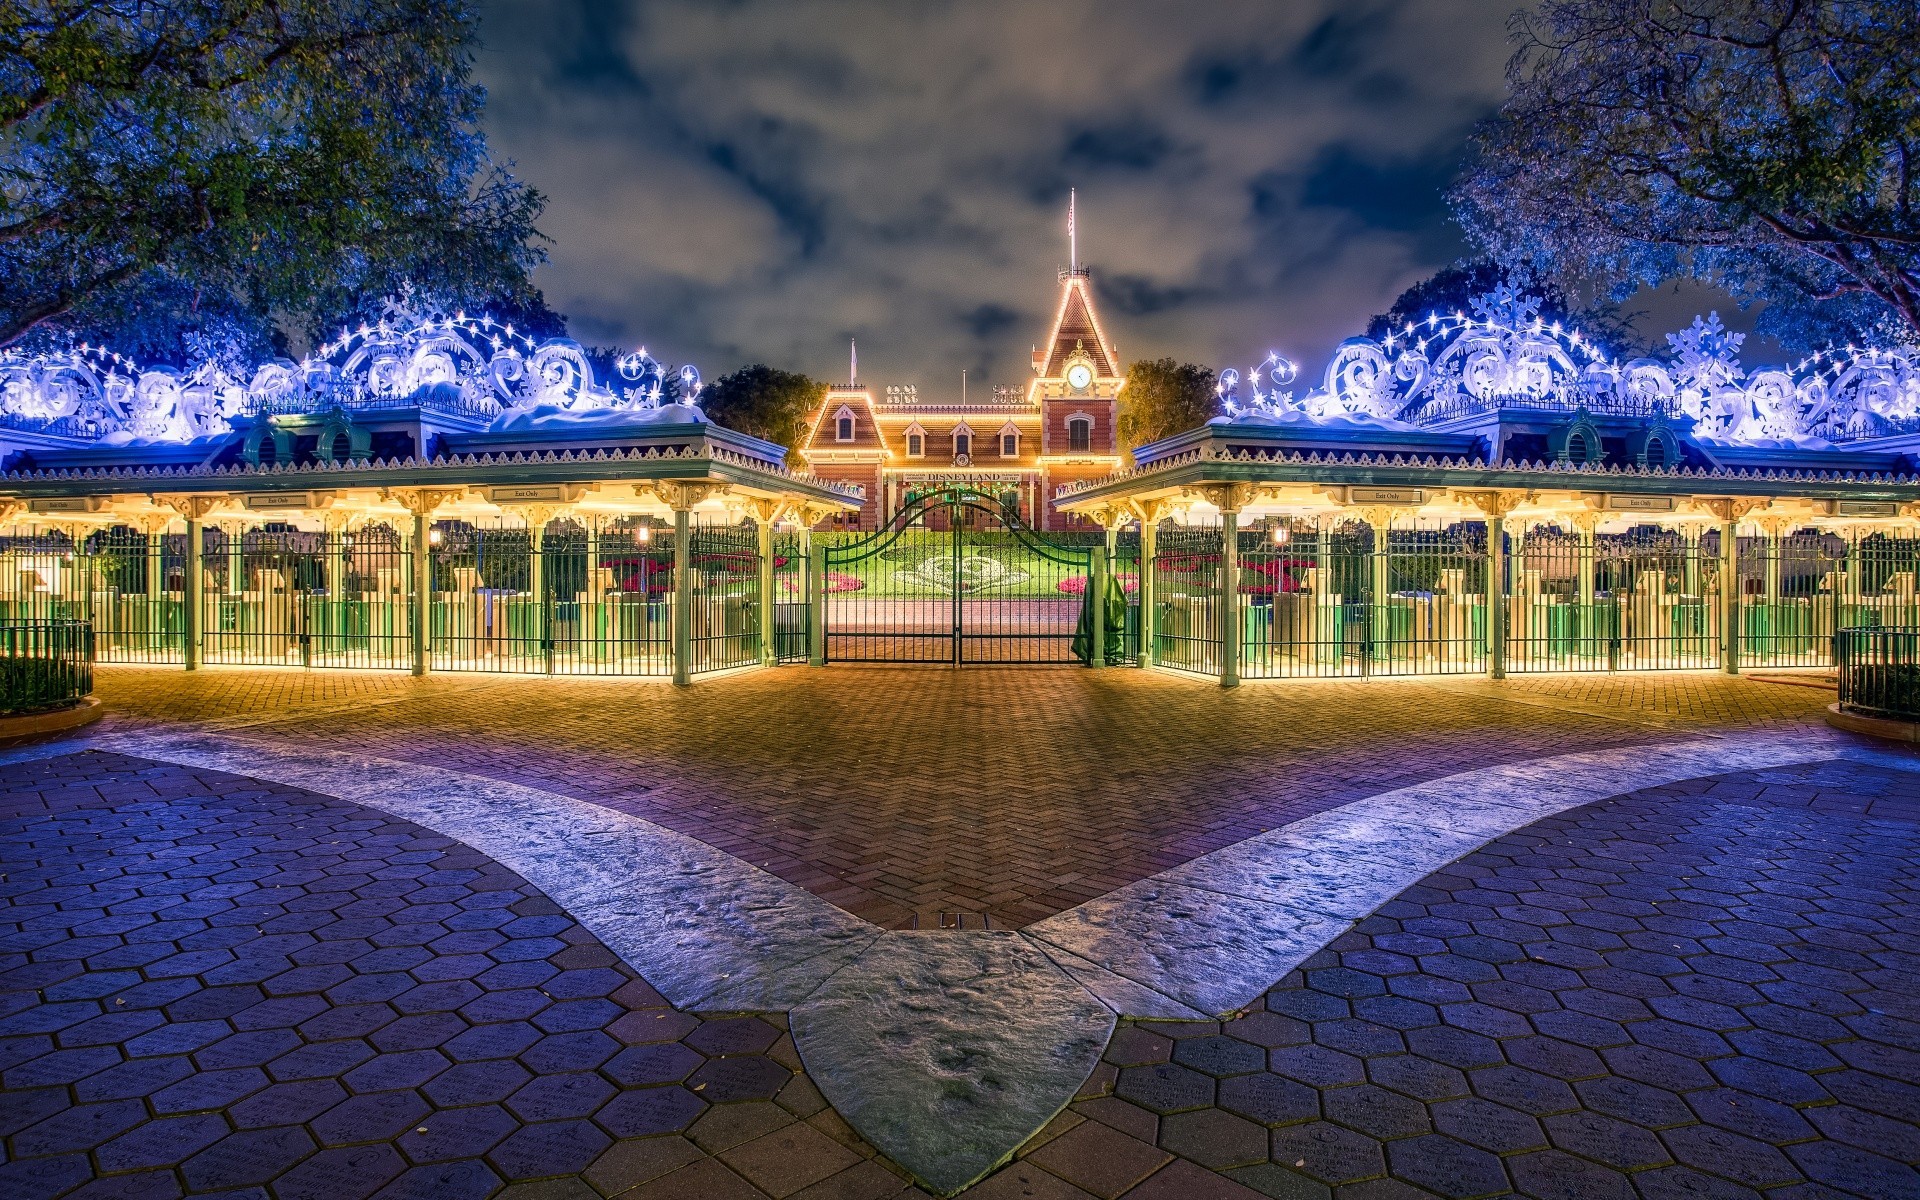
(954, 577)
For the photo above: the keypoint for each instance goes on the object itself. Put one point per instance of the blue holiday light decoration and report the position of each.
(471, 364)
(1504, 355)
(1501, 355)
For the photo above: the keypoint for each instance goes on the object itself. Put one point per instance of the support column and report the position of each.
(1731, 512)
(193, 600)
(422, 502)
(682, 597)
(1149, 601)
(1097, 594)
(1228, 608)
(1730, 597)
(1496, 602)
(1586, 616)
(335, 623)
(1379, 579)
(420, 595)
(1495, 506)
(763, 515)
(816, 603)
(194, 591)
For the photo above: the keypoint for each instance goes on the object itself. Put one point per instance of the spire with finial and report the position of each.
(1073, 245)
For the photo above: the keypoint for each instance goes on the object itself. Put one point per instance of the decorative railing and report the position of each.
(1879, 671)
(44, 665)
(1440, 410)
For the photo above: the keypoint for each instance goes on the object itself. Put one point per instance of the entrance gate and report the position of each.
(955, 577)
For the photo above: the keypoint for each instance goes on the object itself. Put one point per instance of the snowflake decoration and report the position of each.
(1505, 305)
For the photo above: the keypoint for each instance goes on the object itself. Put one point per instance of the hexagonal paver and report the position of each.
(1165, 1088)
(1328, 1153)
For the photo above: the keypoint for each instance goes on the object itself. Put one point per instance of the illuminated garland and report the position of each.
(471, 364)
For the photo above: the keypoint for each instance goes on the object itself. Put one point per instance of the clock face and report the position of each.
(1079, 376)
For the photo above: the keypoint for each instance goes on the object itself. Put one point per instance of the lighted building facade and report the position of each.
(1020, 443)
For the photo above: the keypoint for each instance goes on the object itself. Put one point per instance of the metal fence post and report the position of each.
(682, 597)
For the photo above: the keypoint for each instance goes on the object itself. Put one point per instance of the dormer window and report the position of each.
(962, 445)
(916, 445)
(1010, 445)
(1079, 435)
(843, 425)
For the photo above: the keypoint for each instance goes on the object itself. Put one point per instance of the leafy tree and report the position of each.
(1163, 397)
(1766, 146)
(1453, 288)
(246, 161)
(764, 401)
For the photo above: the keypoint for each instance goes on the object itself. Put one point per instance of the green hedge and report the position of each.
(29, 685)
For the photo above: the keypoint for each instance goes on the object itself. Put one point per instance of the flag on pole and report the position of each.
(853, 364)
(1073, 249)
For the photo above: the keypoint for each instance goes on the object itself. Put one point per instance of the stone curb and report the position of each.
(1880, 727)
(60, 720)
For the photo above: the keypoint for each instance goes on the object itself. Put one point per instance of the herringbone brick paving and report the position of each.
(899, 794)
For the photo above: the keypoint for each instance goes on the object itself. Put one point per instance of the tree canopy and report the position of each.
(223, 165)
(1163, 397)
(765, 402)
(1766, 146)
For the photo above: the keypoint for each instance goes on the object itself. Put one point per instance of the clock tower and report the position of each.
(1076, 387)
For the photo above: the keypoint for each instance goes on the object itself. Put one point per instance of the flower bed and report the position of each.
(1077, 585)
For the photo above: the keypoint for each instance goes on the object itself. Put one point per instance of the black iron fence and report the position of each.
(1879, 671)
(44, 665)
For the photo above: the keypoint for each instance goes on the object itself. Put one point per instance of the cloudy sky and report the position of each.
(759, 180)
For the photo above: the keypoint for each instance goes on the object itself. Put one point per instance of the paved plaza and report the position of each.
(1567, 937)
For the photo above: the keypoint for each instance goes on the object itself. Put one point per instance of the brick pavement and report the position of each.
(903, 794)
(1701, 990)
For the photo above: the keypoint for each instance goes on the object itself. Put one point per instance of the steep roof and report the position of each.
(1077, 325)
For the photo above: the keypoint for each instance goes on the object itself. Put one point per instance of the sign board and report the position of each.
(68, 504)
(286, 501)
(1386, 495)
(1866, 508)
(1626, 502)
(534, 493)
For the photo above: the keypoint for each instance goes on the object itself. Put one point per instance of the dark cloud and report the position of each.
(1399, 195)
(1129, 145)
(762, 179)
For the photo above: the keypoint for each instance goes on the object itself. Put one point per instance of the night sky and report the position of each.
(758, 180)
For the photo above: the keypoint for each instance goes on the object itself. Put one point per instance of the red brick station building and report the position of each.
(1060, 429)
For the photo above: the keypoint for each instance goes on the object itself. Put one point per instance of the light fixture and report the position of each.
(1281, 534)
(642, 534)
(433, 537)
